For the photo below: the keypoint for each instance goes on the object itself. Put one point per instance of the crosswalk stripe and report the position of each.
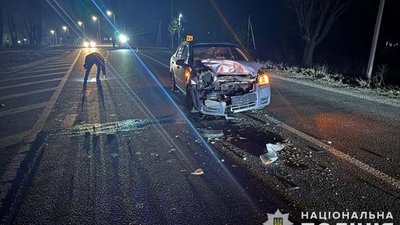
(26, 77)
(13, 139)
(30, 83)
(23, 109)
(27, 93)
(38, 71)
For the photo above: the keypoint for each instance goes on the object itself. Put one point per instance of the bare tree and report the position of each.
(33, 22)
(315, 19)
(12, 28)
(1, 23)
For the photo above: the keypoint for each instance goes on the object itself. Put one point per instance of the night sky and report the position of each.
(274, 25)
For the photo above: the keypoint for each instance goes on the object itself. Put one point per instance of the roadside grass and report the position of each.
(323, 75)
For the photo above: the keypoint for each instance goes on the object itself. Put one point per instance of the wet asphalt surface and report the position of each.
(121, 151)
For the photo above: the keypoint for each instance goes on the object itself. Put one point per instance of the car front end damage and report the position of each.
(219, 87)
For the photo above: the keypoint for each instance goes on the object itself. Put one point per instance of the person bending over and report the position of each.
(92, 59)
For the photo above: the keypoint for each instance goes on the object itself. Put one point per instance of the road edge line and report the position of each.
(376, 173)
(389, 102)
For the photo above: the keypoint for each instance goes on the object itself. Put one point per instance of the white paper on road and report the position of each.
(198, 172)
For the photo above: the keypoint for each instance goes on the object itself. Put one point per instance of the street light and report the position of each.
(81, 24)
(109, 14)
(94, 18)
(54, 33)
(179, 27)
(65, 28)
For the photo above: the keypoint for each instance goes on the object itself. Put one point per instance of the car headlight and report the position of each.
(93, 44)
(86, 44)
(262, 78)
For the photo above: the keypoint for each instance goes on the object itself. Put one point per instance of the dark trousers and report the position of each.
(89, 67)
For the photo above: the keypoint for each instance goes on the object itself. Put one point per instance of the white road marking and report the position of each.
(364, 96)
(376, 173)
(26, 77)
(23, 109)
(30, 83)
(12, 139)
(15, 163)
(145, 55)
(27, 93)
(165, 65)
(46, 70)
(53, 66)
(69, 121)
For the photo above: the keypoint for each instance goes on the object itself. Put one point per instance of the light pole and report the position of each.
(81, 24)
(54, 33)
(109, 14)
(179, 27)
(65, 28)
(375, 40)
(94, 18)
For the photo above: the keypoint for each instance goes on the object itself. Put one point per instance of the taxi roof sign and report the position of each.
(189, 38)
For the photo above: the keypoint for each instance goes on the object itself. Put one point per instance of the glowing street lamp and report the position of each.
(65, 28)
(95, 19)
(54, 33)
(109, 14)
(179, 27)
(81, 24)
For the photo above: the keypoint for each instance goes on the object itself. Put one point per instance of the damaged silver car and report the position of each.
(219, 79)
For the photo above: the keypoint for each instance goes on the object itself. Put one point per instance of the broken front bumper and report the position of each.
(251, 101)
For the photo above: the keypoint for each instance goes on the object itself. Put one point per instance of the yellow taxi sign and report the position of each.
(189, 38)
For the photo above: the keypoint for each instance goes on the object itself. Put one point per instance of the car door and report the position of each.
(179, 71)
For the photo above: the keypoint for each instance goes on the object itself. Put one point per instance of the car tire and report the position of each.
(173, 82)
(189, 100)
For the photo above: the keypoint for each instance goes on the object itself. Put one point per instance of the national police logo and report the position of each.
(278, 219)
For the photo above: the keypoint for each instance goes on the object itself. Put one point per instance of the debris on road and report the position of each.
(172, 150)
(3, 105)
(198, 172)
(271, 155)
(212, 134)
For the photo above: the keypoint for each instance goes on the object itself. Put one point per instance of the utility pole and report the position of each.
(375, 40)
(250, 32)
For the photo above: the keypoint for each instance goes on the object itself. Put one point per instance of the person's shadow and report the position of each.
(84, 87)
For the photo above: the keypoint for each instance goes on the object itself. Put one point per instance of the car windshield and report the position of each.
(218, 52)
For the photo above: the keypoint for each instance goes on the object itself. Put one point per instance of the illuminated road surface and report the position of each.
(123, 151)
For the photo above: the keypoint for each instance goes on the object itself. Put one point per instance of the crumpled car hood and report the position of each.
(230, 67)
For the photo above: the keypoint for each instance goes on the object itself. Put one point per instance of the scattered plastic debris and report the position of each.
(329, 142)
(197, 141)
(172, 150)
(212, 134)
(198, 172)
(3, 105)
(114, 154)
(234, 166)
(271, 155)
(154, 154)
(244, 158)
(222, 160)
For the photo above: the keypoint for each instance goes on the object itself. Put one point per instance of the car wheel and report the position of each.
(189, 100)
(173, 82)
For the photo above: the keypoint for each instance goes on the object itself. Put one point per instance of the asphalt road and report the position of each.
(122, 151)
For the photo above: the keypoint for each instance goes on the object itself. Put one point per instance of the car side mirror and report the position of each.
(180, 62)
